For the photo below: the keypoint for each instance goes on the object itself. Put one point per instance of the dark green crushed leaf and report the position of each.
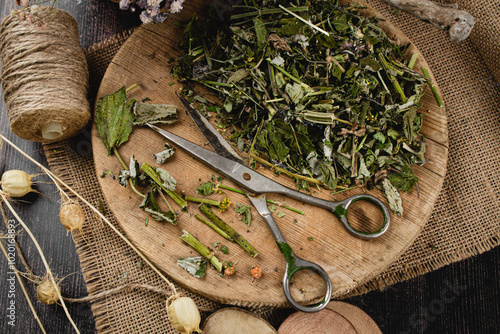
(338, 107)
(244, 210)
(224, 249)
(150, 206)
(205, 189)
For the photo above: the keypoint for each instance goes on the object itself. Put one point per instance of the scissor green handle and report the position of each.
(294, 264)
(342, 207)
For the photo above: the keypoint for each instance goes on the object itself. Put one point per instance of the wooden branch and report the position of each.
(447, 17)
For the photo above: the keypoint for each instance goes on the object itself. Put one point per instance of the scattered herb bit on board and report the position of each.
(115, 118)
(225, 230)
(244, 210)
(154, 113)
(195, 265)
(206, 189)
(161, 157)
(200, 248)
(323, 93)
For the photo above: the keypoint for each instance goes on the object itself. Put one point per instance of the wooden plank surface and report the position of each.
(349, 261)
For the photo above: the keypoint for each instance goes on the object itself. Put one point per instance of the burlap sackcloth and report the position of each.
(466, 217)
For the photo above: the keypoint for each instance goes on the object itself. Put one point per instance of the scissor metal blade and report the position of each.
(215, 139)
(239, 173)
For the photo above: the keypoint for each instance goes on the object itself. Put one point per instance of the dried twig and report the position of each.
(447, 17)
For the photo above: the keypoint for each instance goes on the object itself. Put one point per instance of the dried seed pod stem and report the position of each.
(58, 182)
(45, 263)
(20, 281)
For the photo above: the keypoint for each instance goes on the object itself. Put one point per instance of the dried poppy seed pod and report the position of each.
(47, 293)
(16, 183)
(72, 216)
(184, 315)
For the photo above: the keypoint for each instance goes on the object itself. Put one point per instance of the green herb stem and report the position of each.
(214, 227)
(231, 189)
(342, 190)
(229, 230)
(306, 86)
(266, 11)
(434, 90)
(134, 86)
(305, 21)
(412, 61)
(152, 174)
(200, 248)
(284, 171)
(284, 206)
(132, 185)
(202, 200)
(393, 79)
(267, 200)
(215, 83)
(323, 118)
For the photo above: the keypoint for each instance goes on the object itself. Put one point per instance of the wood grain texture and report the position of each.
(348, 261)
(232, 320)
(338, 317)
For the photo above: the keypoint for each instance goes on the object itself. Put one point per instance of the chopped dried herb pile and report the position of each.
(313, 87)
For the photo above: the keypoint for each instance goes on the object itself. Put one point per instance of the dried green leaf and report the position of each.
(195, 265)
(114, 118)
(150, 206)
(154, 113)
(244, 210)
(205, 189)
(168, 180)
(393, 197)
(161, 157)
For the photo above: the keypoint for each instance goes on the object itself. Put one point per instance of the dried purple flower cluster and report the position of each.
(151, 10)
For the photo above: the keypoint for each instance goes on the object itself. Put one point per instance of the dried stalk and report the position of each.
(24, 289)
(45, 263)
(123, 237)
(447, 17)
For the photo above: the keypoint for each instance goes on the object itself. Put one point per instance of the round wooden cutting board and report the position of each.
(316, 235)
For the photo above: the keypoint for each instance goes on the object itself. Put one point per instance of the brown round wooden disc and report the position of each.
(317, 235)
(336, 318)
(323, 322)
(236, 321)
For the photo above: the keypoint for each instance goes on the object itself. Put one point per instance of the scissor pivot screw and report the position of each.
(246, 176)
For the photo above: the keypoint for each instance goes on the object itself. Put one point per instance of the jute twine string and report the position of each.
(44, 76)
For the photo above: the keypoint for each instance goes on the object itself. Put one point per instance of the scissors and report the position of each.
(227, 162)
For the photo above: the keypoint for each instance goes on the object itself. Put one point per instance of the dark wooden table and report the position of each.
(459, 298)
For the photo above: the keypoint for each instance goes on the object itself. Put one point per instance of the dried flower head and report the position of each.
(155, 11)
(176, 6)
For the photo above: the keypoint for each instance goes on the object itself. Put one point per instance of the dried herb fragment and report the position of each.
(161, 157)
(154, 113)
(393, 197)
(195, 265)
(206, 189)
(244, 210)
(150, 205)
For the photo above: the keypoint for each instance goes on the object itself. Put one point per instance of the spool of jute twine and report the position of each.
(44, 75)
